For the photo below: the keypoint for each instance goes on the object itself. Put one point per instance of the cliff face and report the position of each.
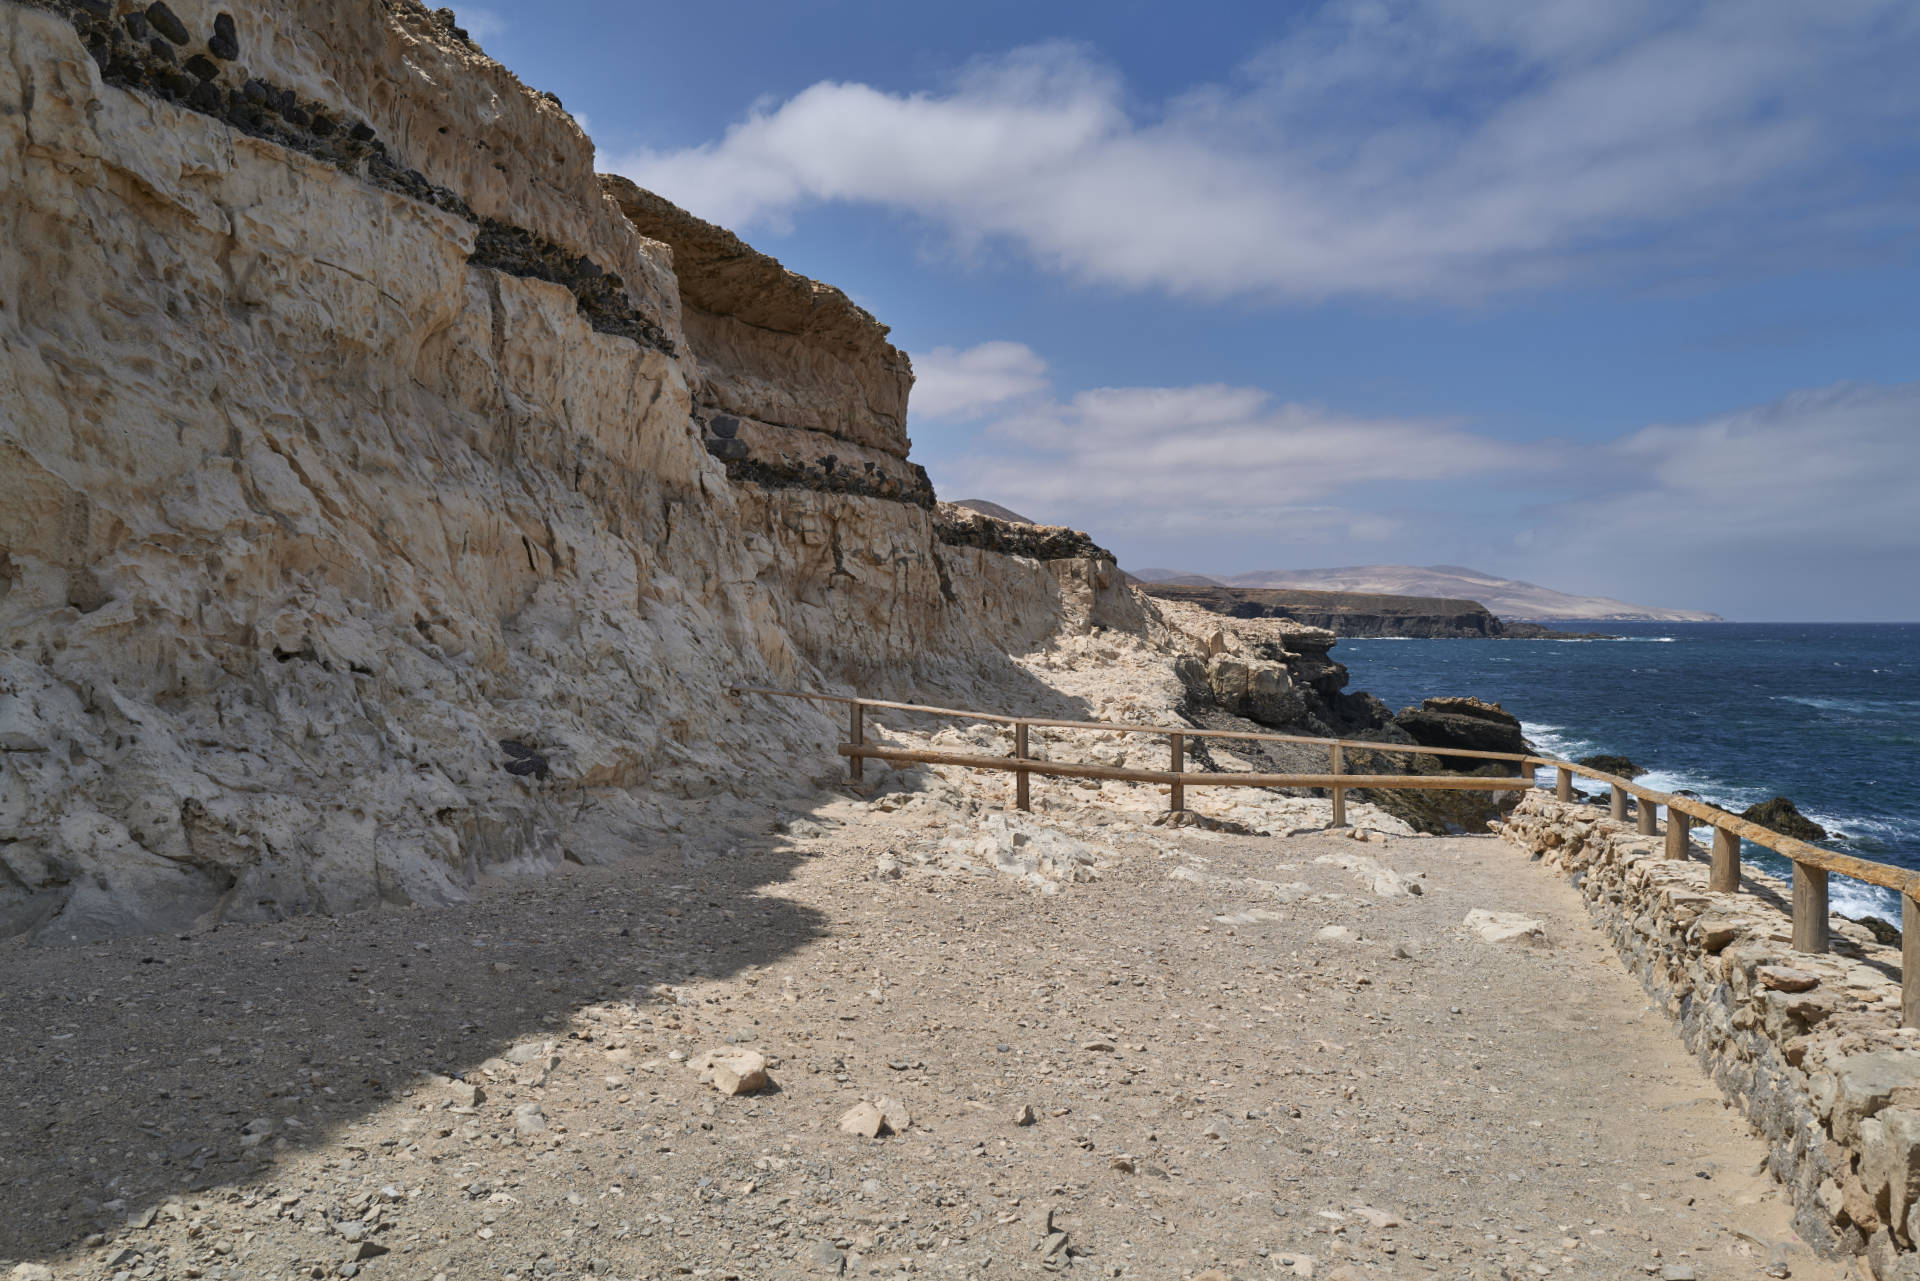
(362, 528)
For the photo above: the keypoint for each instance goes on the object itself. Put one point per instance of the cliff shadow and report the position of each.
(131, 1069)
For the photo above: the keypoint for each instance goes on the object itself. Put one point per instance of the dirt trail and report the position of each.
(1218, 1081)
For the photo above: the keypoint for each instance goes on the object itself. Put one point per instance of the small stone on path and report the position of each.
(864, 1120)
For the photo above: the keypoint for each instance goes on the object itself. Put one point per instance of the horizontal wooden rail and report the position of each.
(1117, 727)
(1183, 778)
(1899, 879)
(1811, 863)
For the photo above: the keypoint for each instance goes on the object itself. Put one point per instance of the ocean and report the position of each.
(1826, 714)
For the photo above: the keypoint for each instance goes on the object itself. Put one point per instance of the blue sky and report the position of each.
(1622, 298)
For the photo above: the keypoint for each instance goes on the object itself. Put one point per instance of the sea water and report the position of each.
(1826, 714)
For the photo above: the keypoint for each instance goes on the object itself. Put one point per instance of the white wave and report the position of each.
(1556, 740)
(1859, 706)
(1855, 898)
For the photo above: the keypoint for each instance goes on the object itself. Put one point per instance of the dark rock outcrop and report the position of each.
(1470, 724)
(1618, 766)
(959, 526)
(1782, 816)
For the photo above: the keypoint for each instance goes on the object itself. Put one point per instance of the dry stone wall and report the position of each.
(1809, 1047)
(359, 534)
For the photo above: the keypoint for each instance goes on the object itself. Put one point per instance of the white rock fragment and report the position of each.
(1374, 876)
(1504, 928)
(732, 1069)
(864, 1120)
(894, 1113)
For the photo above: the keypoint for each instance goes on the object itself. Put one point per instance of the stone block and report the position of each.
(1890, 1162)
(1866, 1083)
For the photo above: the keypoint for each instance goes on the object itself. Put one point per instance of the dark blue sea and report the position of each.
(1827, 714)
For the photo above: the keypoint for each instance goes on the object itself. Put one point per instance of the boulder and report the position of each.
(1618, 766)
(1263, 692)
(1781, 815)
(1467, 723)
(732, 1069)
(863, 1120)
(1883, 931)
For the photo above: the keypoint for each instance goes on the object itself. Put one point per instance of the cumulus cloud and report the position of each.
(1214, 458)
(1834, 469)
(956, 384)
(1803, 507)
(1417, 148)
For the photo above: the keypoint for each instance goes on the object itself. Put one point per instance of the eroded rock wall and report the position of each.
(358, 529)
(796, 385)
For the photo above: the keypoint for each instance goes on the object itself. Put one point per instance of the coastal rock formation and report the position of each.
(1618, 766)
(1359, 614)
(1276, 674)
(1470, 724)
(1784, 817)
(362, 529)
(1509, 598)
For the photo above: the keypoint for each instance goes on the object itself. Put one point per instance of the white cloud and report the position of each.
(949, 383)
(1833, 470)
(1214, 459)
(1804, 507)
(1427, 147)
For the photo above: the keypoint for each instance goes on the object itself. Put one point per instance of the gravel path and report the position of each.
(1175, 1070)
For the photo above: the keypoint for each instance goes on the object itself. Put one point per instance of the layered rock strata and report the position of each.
(1809, 1047)
(360, 533)
(797, 385)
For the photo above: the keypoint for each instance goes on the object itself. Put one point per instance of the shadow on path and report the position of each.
(129, 1068)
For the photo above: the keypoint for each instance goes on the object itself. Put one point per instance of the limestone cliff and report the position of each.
(365, 524)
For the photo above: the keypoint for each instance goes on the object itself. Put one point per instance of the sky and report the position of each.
(1619, 298)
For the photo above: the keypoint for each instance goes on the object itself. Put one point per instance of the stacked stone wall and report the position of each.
(1808, 1047)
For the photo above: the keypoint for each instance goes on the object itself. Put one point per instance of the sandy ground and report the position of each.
(1217, 1080)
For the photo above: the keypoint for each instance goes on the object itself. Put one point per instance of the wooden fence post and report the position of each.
(1177, 797)
(856, 736)
(1563, 785)
(1809, 908)
(1647, 816)
(1725, 875)
(1679, 825)
(1909, 961)
(1617, 806)
(1339, 766)
(1022, 799)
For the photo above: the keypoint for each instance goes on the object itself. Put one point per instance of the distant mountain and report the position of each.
(1506, 597)
(1176, 577)
(995, 510)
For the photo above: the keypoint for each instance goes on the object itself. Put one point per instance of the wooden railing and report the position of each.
(1812, 865)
